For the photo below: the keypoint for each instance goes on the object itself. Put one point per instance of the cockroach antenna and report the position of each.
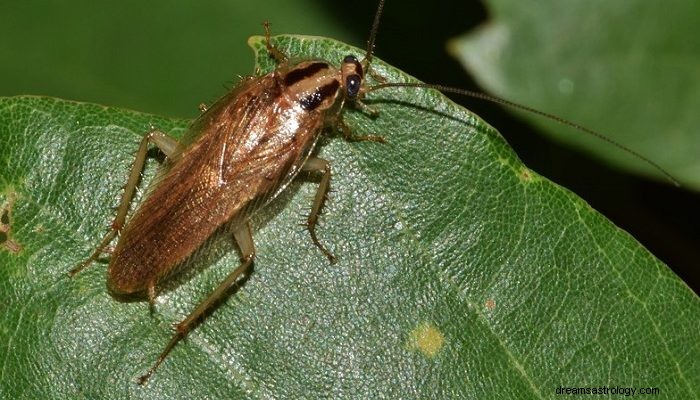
(511, 104)
(373, 32)
(500, 101)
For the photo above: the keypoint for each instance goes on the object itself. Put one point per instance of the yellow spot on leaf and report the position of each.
(427, 339)
(525, 174)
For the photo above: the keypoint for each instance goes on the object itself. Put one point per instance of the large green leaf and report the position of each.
(461, 273)
(625, 67)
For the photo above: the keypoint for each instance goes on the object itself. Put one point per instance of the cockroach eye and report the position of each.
(350, 59)
(352, 85)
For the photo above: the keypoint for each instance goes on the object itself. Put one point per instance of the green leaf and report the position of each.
(461, 273)
(626, 68)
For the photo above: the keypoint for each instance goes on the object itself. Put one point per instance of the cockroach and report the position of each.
(237, 156)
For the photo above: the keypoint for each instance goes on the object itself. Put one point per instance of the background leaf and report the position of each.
(461, 273)
(157, 56)
(625, 67)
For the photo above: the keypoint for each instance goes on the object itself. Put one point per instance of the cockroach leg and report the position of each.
(349, 136)
(369, 110)
(151, 296)
(274, 52)
(244, 239)
(319, 165)
(168, 146)
(379, 78)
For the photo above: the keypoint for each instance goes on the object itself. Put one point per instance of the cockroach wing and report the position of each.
(243, 151)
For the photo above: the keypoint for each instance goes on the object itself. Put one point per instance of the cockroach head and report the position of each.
(352, 75)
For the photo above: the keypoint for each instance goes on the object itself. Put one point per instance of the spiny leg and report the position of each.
(369, 110)
(319, 165)
(168, 146)
(351, 137)
(280, 57)
(379, 78)
(369, 71)
(151, 296)
(357, 102)
(244, 238)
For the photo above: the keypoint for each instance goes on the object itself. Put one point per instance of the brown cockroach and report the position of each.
(237, 156)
